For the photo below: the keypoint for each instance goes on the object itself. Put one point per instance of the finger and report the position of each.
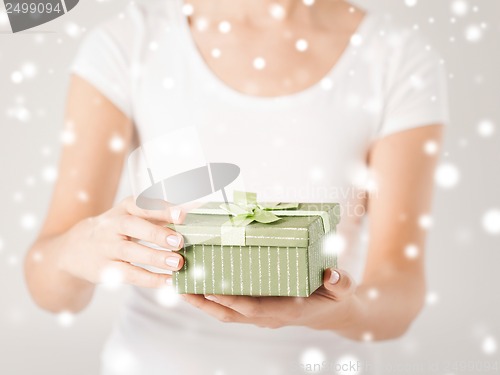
(170, 213)
(219, 312)
(138, 276)
(339, 284)
(287, 308)
(132, 252)
(141, 229)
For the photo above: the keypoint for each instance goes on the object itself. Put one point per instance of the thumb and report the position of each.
(338, 283)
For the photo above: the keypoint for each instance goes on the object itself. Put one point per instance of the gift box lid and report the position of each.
(296, 228)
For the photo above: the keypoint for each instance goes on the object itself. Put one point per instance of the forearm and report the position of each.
(383, 309)
(51, 287)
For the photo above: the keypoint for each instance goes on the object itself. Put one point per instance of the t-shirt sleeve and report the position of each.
(104, 62)
(416, 92)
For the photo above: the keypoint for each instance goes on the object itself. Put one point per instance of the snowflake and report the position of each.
(116, 143)
(447, 175)
(326, 83)
(367, 337)
(431, 147)
(373, 293)
(2, 244)
(168, 83)
(111, 278)
(460, 8)
(316, 174)
(198, 273)
(216, 53)
(17, 76)
(431, 298)
(486, 128)
(308, 2)
(68, 137)
(473, 33)
(356, 40)
(334, 243)
(49, 173)
(167, 296)
(347, 365)
(224, 27)
(411, 3)
(66, 319)
(491, 221)
(82, 196)
(301, 45)
(259, 63)
(489, 345)
(312, 359)
(201, 24)
(28, 221)
(425, 221)
(411, 251)
(277, 11)
(29, 70)
(187, 9)
(72, 30)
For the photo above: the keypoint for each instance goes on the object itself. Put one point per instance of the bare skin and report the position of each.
(81, 240)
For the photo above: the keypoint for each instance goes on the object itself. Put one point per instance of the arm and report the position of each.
(404, 174)
(72, 248)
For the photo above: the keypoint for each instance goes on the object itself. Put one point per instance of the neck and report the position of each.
(258, 12)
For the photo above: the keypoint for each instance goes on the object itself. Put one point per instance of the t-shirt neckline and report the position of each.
(333, 73)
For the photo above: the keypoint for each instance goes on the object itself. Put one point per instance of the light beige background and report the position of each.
(461, 322)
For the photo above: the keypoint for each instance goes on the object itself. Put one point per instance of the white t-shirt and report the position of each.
(308, 146)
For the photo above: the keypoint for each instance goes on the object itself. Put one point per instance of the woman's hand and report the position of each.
(329, 307)
(105, 243)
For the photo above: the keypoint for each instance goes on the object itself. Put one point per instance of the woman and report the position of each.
(305, 97)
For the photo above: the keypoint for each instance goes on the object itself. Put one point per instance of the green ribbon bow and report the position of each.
(246, 210)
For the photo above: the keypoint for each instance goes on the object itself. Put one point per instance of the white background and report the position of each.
(461, 321)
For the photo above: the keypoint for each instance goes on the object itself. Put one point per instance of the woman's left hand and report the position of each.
(329, 307)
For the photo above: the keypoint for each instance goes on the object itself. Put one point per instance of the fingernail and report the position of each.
(175, 214)
(169, 281)
(172, 262)
(173, 240)
(211, 298)
(334, 277)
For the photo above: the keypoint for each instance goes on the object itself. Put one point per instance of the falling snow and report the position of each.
(486, 128)
(116, 144)
(111, 278)
(301, 45)
(224, 27)
(411, 251)
(259, 63)
(491, 221)
(66, 319)
(447, 175)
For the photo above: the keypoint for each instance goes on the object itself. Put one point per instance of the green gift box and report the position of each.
(269, 250)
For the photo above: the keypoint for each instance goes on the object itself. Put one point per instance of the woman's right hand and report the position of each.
(105, 243)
